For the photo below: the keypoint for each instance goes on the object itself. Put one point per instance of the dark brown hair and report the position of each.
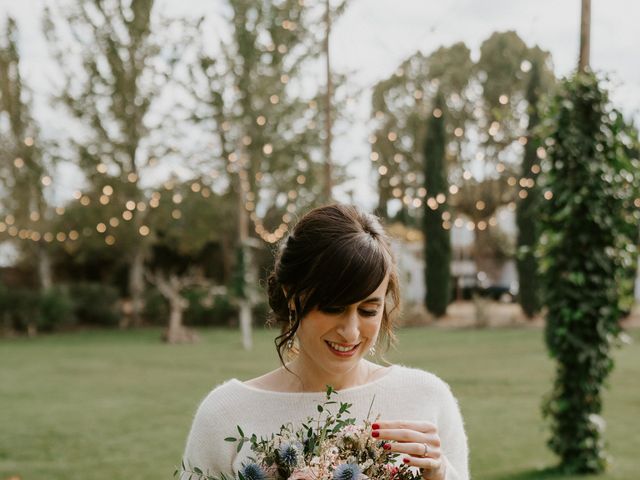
(336, 255)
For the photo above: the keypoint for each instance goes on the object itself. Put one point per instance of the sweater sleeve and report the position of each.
(206, 448)
(453, 437)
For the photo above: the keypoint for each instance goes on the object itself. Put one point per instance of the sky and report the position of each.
(374, 36)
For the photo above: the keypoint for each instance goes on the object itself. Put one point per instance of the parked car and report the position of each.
(466, 286)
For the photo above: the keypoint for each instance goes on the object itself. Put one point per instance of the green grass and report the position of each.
(118, 405)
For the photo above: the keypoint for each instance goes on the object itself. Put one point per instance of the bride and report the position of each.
(333, 292)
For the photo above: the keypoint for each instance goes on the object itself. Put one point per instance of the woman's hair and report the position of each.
(335, 256)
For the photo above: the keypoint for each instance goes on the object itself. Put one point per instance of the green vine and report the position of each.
(588, 258)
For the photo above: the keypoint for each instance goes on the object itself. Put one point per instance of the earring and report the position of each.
(372, 350)
(290, 341)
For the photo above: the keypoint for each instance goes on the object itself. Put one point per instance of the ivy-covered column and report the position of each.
(590, 184)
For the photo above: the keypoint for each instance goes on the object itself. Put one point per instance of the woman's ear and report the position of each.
(291, 305)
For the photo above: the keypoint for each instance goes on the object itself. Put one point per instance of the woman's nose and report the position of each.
(349, 328)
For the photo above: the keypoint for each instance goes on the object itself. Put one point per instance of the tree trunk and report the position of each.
(170, 289)
(243, 300)
(328, 167)
(585, 36)
(245, 324)
(177, 332)
(136, 285)
(44, 269)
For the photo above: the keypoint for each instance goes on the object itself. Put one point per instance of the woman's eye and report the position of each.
(339, 310)
(333, 310)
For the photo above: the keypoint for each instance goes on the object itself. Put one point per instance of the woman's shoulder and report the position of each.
(222, 398)
(419, 378)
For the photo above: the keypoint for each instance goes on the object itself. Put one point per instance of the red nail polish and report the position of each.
(375, 426)
(375, 434)
(406, 460)
(386, 446)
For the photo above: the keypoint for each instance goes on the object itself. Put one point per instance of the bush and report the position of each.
(95, 304)
(156, 308)
(206, 310)
(23, 309)
(56, 309)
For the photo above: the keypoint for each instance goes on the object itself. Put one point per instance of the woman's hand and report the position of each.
(419, 441)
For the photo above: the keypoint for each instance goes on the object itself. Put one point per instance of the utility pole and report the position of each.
(585, 36)
(328, 181)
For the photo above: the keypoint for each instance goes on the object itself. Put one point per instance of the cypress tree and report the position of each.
(437, 239)
(528, 207)
(588, 246)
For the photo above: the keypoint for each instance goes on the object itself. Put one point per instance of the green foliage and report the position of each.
(56, 309)
(20, 307)
(401, 105)
(437, 241)
(205, 309)
(588, 248)
(46, 310)
(486, 112)
(156, 307)
(528, 207)
(95, 304)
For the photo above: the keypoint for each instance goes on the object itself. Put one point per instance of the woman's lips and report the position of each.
(349, 353)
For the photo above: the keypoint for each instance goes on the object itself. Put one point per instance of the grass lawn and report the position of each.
(118, 405)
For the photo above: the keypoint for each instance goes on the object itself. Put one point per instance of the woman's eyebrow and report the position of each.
(373, 299)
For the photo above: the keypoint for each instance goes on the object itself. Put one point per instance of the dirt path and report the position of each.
(486, 313)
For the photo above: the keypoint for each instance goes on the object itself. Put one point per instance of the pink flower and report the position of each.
(306, 473)
(392, 469)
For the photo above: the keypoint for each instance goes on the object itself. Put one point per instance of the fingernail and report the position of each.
(386, 446)
(406, 460)
(375, 434)
(375, 426)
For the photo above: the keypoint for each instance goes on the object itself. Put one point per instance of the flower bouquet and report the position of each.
(327, 447)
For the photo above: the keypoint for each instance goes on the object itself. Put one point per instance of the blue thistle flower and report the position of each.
(346, 471)
(288, 453)
(253, 471)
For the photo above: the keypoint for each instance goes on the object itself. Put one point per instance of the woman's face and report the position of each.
(336, 338)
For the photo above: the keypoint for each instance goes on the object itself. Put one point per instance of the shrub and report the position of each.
(95, 304)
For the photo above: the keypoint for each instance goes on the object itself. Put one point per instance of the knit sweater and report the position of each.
(402, 393)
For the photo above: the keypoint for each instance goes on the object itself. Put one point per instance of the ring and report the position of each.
(426, 449)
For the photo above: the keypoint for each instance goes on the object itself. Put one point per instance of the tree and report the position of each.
(191, 226)
(528, 208)
(110, 96)
(588, 248)
(401, 105)
(266, 131)
(23, 164)
(437, 241)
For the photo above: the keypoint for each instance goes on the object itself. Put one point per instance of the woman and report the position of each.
(333, 290)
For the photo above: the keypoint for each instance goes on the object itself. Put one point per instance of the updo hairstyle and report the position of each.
(335, 256)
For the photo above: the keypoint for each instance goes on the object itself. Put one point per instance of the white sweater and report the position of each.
(401, 394)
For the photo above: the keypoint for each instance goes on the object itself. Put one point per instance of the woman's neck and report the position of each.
(309, 377)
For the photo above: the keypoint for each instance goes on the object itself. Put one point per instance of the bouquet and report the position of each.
(327, 447)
